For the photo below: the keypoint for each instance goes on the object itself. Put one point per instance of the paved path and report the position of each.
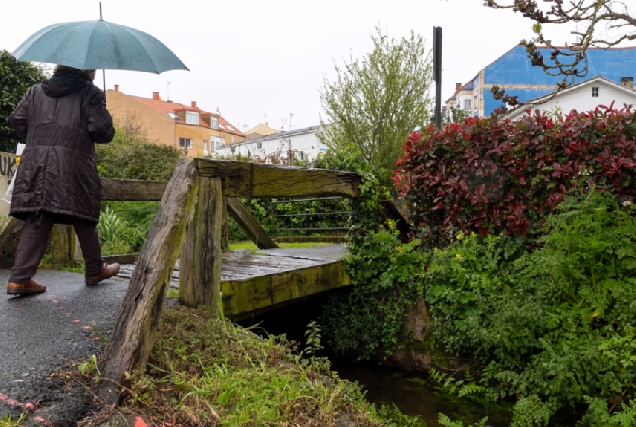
(43, 333)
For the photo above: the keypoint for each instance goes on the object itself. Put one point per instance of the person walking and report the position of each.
(57, 180)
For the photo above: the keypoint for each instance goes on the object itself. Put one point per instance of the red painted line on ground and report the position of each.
(54, 300)
(76, 321)
(86, 327)
(139, 422)
(43, 421)
(12, 402)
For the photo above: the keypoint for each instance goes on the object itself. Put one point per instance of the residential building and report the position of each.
(513, 72)
(302, 143)
(260, 130)
(584, 96)
(186, 127)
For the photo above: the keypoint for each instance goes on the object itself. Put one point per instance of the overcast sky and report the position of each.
(262, 60)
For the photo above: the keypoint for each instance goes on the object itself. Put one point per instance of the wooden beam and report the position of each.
(249, 224)
(9, 238)
(243, 179)
(132, 189)
(200, 261)
(389, 211)
(241, 298)
(134, 331)
(63, 245)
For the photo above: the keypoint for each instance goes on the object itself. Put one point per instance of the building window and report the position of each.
(259, 145)
(215, 123)
(185, 142)
(594, 92)
(467, 104)
(192, 118)
(301, 155)
(216, 142)
(205, 147)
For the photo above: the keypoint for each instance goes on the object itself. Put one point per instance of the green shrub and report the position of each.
(555, 323)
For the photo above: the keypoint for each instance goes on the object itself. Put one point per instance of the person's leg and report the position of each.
(31, 247)
(91, 247)
(95, 269)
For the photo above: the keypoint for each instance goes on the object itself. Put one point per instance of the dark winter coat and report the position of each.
(62, 118)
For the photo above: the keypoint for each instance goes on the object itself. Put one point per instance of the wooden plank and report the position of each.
(63, 245)
(200, 261)
(249, 224)
(9, 239)
(132, 189)
(243, 179)
(243, 297)
(134, 331)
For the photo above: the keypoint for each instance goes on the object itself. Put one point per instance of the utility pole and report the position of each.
(437, 74)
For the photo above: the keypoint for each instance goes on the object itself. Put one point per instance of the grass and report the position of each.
(212, 372)
(251, 246)
(8, 421)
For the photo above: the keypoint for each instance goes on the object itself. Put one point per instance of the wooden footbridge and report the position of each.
(190, 227)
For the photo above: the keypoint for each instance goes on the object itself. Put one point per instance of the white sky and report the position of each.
(254, 58)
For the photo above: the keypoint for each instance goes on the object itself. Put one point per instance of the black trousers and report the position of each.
(35, 236)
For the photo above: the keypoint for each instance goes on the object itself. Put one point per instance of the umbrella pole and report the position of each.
(103, 71)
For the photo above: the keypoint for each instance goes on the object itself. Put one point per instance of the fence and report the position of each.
(309, 217)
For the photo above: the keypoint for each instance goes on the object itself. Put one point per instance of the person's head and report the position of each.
(90, 74)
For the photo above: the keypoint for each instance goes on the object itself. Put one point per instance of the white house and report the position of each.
(584, 96)
(302, 143)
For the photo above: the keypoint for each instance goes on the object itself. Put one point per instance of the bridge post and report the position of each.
(137, 323)
(201, 255)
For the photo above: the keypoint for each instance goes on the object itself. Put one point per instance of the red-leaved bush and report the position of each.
(498, 176)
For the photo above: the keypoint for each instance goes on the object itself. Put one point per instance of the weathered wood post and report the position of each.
(249, 224)
(9, 238)
(63, 244)
(134, 332)
(201, 256)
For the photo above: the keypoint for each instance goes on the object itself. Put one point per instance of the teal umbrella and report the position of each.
(91, 45)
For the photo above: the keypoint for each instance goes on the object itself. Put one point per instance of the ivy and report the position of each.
(386, 276)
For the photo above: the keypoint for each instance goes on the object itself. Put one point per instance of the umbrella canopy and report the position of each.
(91, 45)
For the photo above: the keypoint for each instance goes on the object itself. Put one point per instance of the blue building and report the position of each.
(513, 72)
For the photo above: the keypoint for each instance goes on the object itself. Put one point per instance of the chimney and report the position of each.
(627, 82)
(457, 87)
(193, 104)
(116, 88)
(155, 96)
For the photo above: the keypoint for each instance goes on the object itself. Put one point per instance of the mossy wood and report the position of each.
(249, 224)
(132, 338)
(256, 282)
(132, 189)
(63, 245)
(243, 179)
(201, 255)
(9, 238)
(389, 211)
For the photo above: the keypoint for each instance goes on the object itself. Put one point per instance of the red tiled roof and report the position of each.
(166, 107)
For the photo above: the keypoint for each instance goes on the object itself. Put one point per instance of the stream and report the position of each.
(411, 393)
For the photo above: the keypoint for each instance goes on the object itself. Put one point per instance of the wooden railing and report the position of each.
(189, 225)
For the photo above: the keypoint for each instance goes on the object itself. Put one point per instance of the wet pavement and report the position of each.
(44, 333)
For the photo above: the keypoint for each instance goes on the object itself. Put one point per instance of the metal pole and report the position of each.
(103, 71)
(437, 74)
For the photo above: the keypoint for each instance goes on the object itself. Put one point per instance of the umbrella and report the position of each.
(91, 45)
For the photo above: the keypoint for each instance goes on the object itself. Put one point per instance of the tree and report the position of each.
(375, 102)
(605, 23)
(15, 78)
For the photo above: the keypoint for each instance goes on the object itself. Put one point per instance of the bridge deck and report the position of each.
(254, 282)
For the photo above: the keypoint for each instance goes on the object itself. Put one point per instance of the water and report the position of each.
(413, 394)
